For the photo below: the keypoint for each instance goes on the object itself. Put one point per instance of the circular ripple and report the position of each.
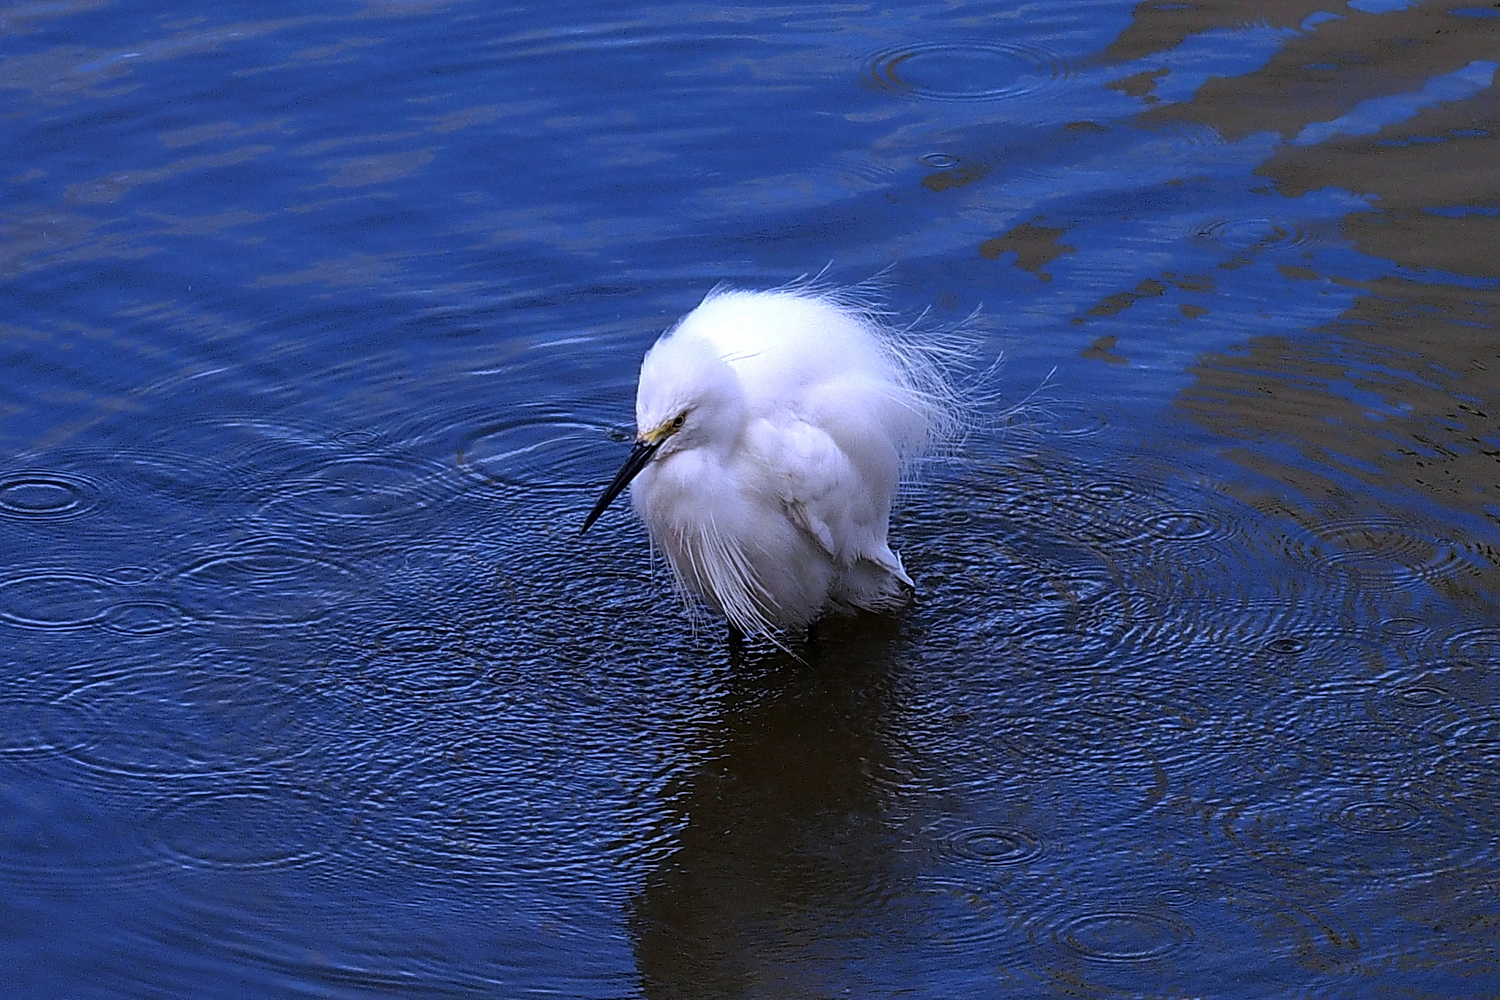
(130, 476)
(1246, 624)
(357, 438)
(475, 825)
(1084, 636)
(938, 161)
(411, 680)
(265, 583)
(219, 717)
(1089, 748)
(547, 451)
(46, 496)
(1180, 526)
(1414, 836)
(1087, 512)
(148, 499)
(131, 576)
(995, 846)
(1189, 135)
(1478, 645)
(142, 618)
(1174, 897)
(1422, 696)
(1287, 645)
(1108, 491)
(408, 640)
(33, 728)
(1343, 720)
(362, 489)
(1444, 693)
(952, 917)
(55, 601)
(1379, 817)
(966, 71)
(1069, 419)
(863, 169)
(1124, 935)
(1387, 552)
(1193, 543)
(251, 829)
(1404, 628)
(1180, 714)
(1469, 765)
(72, 842)
(1256, 234)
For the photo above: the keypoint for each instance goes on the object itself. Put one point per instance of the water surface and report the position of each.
(320, 331)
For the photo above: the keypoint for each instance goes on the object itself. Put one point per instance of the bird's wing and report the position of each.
(806, 516)
(816, 485)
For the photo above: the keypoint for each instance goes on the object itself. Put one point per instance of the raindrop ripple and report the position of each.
(966, 71)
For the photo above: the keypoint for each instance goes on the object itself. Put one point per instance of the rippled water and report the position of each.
(320, 332)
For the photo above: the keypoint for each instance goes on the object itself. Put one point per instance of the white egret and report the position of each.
(772, 430)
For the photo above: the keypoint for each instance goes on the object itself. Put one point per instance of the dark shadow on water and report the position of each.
(784, 838)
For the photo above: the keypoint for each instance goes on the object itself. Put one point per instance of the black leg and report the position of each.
(736, 644)
(814, 635)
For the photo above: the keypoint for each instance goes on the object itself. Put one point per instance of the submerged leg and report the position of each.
(736, 644)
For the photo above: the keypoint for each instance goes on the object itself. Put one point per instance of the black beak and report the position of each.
(642, 453)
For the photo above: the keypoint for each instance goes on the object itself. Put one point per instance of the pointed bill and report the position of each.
(642, 453)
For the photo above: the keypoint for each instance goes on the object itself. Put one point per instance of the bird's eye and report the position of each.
(679, 420)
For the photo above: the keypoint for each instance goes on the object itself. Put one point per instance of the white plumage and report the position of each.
(772, 432)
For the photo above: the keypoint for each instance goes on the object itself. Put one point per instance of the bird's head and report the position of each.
(688, 397)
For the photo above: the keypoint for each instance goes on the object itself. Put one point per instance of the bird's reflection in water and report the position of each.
(789, 835)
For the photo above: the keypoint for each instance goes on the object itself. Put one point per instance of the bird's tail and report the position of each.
(877, 582)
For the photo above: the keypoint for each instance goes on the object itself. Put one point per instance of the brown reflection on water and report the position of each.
(1402, 392)
(1157, 27)
(1432, 179)
(1444, 157)
(1034, 245)
(1316, 75)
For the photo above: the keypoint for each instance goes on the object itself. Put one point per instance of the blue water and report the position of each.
(320, 330)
